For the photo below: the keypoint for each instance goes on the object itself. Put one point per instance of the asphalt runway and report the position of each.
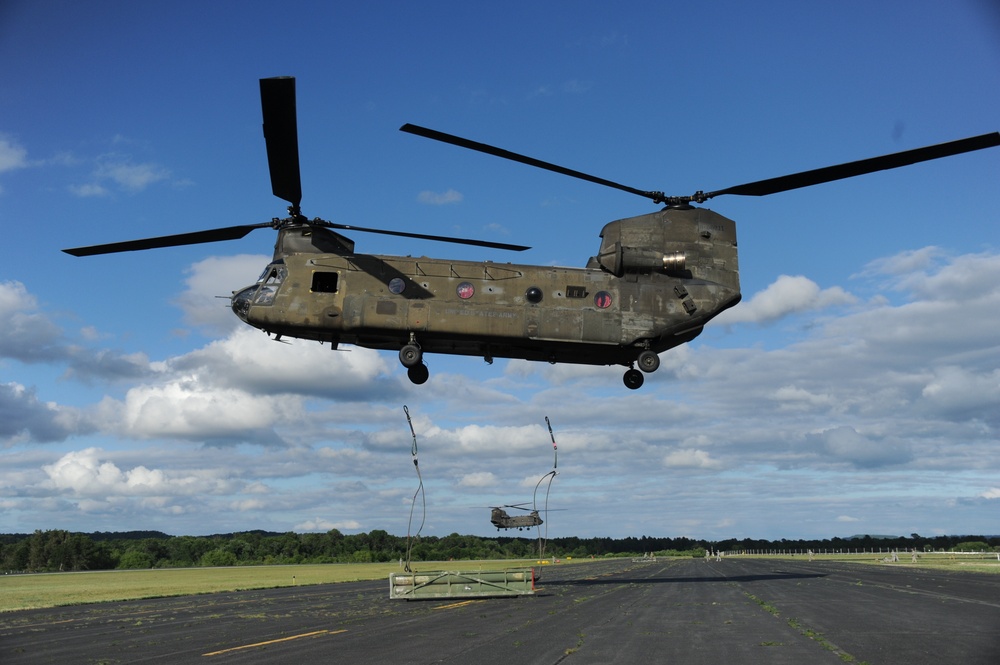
(687, 611)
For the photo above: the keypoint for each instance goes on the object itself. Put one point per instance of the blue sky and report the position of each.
(856, 389)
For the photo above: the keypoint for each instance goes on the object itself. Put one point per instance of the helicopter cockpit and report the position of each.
(261, 293)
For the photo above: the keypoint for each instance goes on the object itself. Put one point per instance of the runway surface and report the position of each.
(688, 611)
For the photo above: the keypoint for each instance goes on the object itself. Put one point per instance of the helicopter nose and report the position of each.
(241, 301)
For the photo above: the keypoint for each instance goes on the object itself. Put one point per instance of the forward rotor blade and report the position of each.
(422, 236)
(277, 102)
(861, 167)
(657, 197)
(194, 238)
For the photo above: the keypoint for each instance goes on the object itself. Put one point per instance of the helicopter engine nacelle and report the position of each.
(620, 260)
(681, 241)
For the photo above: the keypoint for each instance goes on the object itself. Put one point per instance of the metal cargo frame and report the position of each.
(455, 584)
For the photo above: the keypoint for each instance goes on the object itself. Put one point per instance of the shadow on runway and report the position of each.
(612, 579)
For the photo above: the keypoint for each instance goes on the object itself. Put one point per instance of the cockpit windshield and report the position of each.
(269, 282)
(261, 293)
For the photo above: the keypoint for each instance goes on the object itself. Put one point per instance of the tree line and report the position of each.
(58, 550)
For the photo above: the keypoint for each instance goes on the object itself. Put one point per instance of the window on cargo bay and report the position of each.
(325, 282)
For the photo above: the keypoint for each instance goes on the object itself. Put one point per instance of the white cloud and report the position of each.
(576, 86)
(88, 190)
(786, 295)
(691, 459)
(12, 155)
(211, 278)
(439, 198)
(120, 171)
(846, 444)
(85, 473)
(478, 479)
(904, 263)
(27, 334)
(128, 175)
(321, 524)
(186, 408)
(792, 397)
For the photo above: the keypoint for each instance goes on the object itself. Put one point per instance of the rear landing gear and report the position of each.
(649, 361)
(412, 358)
(633, 379)
(418, 374)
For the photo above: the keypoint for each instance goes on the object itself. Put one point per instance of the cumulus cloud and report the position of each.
(248, 360)
(787, 295)
(211, 278)
(691, 459)
(87, 473)
(844, 443)
(186, 409)
(24, 418)
(964, 391)
(478, 479)
(904, 263)
(27, 334)
(792, 397)
(487, 439)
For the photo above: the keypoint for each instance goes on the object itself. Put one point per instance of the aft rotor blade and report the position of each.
(657, 197)
(277, 101)
(861, 167)
(423, 236)
(194, 238)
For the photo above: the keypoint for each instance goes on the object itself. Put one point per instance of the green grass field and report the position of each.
(20, 592)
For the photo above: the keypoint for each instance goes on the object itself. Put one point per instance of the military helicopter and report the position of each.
(656, 280)
(502, 520)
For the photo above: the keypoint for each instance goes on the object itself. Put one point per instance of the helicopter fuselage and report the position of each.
(657, 280)
(502, 520)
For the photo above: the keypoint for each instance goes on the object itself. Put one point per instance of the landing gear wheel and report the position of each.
(411, 356)
(418, 374)
(633, 379)
(649, 361)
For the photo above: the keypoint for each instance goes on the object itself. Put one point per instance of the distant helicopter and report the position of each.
(654, 283)
(502, 520)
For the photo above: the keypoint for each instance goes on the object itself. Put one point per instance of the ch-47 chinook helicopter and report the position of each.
(502, 520)
(654, 283)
